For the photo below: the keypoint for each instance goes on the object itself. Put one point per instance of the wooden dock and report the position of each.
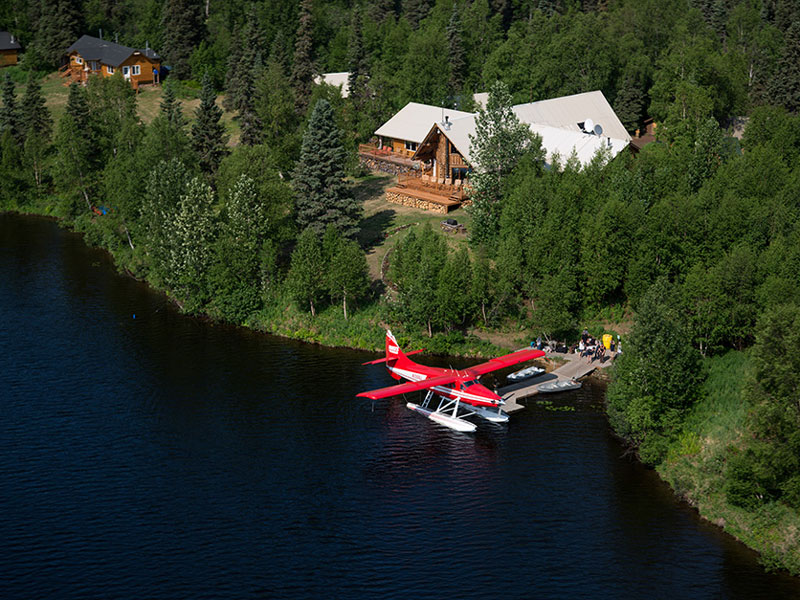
(575, 367)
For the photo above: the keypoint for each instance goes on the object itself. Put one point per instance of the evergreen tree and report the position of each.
(77, 151)
(171, 107)
(348, 278)
(786, 84)
(303, 66)
(248, 119)
(34, 115)
(356, 58)
(323, 196)
(208, 134)
(182, 24)
(458, 61)
(232, 82)
(415, 11)
(9, 112)
(304, 283)
(57, 28)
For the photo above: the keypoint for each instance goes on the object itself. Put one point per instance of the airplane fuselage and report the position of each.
(466, 389)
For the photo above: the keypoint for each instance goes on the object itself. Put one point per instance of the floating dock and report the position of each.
(575, 367)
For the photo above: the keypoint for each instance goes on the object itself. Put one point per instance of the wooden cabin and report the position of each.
(9, 49)
(95, 56)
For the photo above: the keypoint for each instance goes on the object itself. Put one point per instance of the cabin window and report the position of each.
(110, 69)
(412, 146)
(136, 70)
(78, 60)
(126, 71)
(93, 65)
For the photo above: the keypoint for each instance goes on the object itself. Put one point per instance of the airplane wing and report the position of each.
(505, 361)
(412, 386)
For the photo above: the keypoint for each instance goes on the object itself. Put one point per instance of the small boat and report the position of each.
(525, 374)
(559, 386)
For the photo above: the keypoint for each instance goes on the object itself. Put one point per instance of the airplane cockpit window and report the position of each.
(467, 384)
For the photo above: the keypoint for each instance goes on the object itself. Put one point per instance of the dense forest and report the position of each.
(696, 238)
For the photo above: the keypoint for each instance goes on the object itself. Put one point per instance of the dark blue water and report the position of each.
(165, 457)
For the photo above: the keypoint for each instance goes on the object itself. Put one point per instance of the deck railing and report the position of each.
(457, 190)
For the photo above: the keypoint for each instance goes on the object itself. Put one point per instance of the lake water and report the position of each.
(166, 457)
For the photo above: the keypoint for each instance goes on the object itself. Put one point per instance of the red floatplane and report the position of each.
(459, 393)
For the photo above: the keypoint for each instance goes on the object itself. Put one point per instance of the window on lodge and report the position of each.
(126, 71)
(412, 146)
(136, 70)
(78, 60)
(460, 173)
(110, 69)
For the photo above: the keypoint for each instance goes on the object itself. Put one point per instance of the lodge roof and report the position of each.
(337, 80)
(8, 41)
(556, 121)
(414, 121)
(567, 111)
(108, 53)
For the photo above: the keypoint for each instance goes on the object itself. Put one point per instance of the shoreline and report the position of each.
(733, 521)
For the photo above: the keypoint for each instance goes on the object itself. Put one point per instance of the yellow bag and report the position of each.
(607, 340)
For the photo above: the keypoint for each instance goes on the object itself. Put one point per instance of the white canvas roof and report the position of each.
(337, 80)
(414, 121)
(566, 112)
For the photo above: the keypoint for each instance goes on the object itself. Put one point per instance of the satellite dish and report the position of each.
(588, 124)
(598, 130)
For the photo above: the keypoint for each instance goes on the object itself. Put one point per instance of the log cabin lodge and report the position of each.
(428, 147)
(9, 49)
(96, 56)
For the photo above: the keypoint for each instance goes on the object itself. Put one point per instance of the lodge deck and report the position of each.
(419, 198)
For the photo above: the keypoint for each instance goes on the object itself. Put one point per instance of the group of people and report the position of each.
(590, 348)
(594, 349)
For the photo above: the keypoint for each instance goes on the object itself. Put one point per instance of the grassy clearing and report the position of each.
(695, 468)
(148, 101)
(382, 219)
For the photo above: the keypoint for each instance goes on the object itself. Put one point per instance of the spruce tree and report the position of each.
(323, 196)
(457, 54)
(232, 82)
(356, 61)
(9, 112)
(34, 115)
(171, 108)
(57, 28)
(182, 23)
(208, 134)
(75, 165)
(786, 84)
(303, 67)
(248, 119)
(415, 11)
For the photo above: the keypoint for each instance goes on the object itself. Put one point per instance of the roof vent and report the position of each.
(446, 123)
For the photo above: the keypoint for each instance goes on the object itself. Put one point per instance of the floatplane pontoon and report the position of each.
(452, 395)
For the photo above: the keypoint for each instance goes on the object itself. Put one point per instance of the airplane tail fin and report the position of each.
(394, 355)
